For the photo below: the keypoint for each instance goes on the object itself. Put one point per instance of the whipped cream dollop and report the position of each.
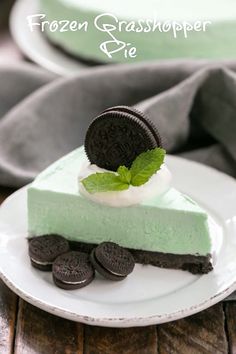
(157, 185)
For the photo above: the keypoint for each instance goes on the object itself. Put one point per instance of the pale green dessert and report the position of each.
(213, 36)
(170, 224)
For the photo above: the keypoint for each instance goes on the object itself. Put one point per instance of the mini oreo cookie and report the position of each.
(118, 135)
(112, 261)
(72, 270)
(43, 250)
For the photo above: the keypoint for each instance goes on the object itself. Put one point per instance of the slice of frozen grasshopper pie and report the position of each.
(118, 188)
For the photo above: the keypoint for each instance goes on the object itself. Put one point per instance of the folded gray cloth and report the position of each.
(43, 117)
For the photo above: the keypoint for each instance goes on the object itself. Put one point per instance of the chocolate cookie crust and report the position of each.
(195, 264)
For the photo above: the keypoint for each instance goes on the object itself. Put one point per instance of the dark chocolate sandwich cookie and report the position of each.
(72, 270)
(112, 261)
(43, 250)
(118, 135)
(140, 115)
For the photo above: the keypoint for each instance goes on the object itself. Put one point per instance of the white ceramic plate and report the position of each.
(35, 46)
(149, 295)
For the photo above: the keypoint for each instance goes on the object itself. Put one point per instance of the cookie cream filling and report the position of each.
(74, 282)
(41, 263)
(157, 185)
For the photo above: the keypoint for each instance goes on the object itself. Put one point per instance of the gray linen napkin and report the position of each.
(43, 117)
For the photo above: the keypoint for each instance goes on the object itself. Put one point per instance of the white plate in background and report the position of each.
(35, 46)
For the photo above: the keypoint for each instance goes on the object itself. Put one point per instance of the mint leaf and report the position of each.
(124, 174)
(103, 182)
(145, 165)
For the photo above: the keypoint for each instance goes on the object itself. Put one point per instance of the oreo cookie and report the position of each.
(72, 270)
(43, 250)
(112, 261)
(140, 115)
(118, 135)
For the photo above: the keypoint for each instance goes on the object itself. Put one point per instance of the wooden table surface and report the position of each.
(24, 329)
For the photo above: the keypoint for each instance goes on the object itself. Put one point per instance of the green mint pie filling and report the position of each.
(170, 223)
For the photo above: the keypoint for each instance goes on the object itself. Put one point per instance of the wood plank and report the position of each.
(230, 312)
(140, 340)
(8, 308)
(41, 333)
(199, 334)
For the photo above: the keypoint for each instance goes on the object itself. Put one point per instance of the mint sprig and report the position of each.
(145, 165)
(142, 169)
(124, 174)
(103, 182)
